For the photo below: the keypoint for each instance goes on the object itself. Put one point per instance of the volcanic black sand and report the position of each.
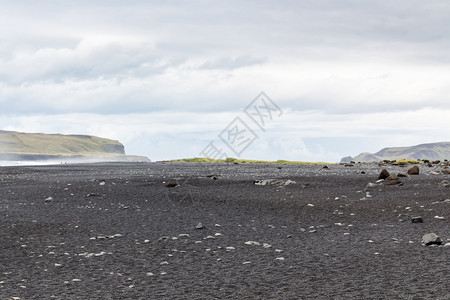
(117, 231)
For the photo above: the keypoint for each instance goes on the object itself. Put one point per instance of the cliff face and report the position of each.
(432, 151)
(32, 146)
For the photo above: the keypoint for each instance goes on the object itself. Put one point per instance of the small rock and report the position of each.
(384, 174)
(48, 199)
(392, 177)
(279, 258)
(401, 175)
(371, 185)
(444, 184)
(172, 184)
(277, 182)
(93, 195)
(200, 226)
(414, 170)
(431, 239)
(439, 218)
(252, 243)
(416, 220)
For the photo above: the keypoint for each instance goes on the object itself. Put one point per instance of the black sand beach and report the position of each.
(117, 231)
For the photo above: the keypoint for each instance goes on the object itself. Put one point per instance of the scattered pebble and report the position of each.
(252, 243)
(199, 226)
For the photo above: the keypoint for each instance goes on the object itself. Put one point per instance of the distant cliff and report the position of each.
(40, 146)
(432, 151)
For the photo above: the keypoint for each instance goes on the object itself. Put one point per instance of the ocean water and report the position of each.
(9, 163)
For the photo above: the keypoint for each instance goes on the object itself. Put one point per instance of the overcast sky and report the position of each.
(167, 77)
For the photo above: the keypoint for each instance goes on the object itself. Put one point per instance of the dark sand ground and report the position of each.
(112, 231)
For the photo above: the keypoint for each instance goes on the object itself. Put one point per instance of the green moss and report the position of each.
(407, 161)
(245, 161)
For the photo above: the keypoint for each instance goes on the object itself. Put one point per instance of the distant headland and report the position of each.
(20, 146)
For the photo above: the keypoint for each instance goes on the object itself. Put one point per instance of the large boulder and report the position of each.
(431, 239)
(414, 171)
(384, 174)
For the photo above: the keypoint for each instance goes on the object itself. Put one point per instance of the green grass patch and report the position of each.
(246, 161)
(407, 161)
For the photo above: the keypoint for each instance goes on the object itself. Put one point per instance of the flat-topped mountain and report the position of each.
(431, 151)
(40, 146)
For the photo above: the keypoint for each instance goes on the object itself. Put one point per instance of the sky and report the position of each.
(167, 78)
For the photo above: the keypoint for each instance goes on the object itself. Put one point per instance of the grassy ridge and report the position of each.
(245, 161)
(57, 144)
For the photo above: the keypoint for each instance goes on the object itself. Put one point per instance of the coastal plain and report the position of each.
(168, 230)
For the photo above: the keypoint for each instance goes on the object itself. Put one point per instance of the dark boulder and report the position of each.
(384, 174)
(416, 220)
(414, 171)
